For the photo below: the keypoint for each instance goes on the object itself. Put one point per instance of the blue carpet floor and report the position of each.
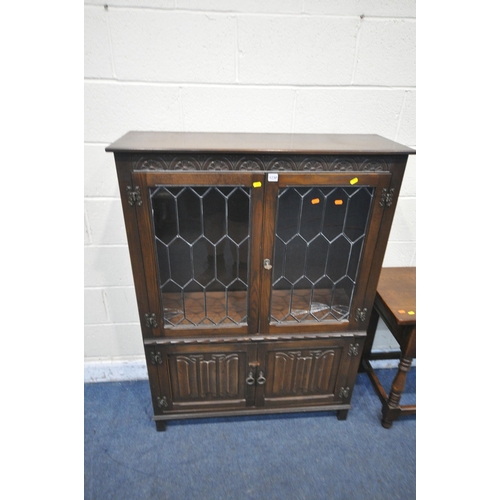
(297, 456)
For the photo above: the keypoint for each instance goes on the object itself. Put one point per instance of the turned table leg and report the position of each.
(391, 409)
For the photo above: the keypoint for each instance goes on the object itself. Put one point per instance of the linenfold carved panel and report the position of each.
(302, 372)
(265, 162)
(200, 375)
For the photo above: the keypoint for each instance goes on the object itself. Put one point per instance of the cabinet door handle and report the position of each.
(250, 379)
(267, 264)
(261, 379)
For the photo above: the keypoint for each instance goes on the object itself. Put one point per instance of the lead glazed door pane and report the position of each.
(202, 244)
(201, 233)
(320, 245)
(208, 231)
(320, 233)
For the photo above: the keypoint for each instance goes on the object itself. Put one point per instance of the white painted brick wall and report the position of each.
(348, 110)
(296, 50)
(236, 108)
(232, 65)
(395, 39)
(166, 46)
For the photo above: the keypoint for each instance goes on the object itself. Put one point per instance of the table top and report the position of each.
(397, 290)
(141, 141)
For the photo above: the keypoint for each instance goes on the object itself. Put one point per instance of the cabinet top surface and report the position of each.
(257, 143)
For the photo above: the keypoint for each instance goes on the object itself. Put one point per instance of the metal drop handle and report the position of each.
(261, 380)
(267, 264)
(250, 379)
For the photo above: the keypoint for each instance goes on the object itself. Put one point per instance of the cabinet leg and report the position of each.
(161, 425)
(342, 414)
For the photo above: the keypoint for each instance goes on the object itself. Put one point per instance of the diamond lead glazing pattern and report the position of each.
(319, 239)
(202, 241)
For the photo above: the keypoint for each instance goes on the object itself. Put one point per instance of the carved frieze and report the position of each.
(344, 165)
(282, 164)
(264, 162)
(217, 164)
(186, 164)
(373, 165)
(250, 164)
(152, 163)
(313, 165)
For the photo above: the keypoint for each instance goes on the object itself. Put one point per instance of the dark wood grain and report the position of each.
(263, 360)
(397, 173)
(143, 141)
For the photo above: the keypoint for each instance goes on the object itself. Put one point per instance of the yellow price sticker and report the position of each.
(354, 181)
(257, 184)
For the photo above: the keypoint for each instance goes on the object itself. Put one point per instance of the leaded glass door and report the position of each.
(202, 242)
(320, 239)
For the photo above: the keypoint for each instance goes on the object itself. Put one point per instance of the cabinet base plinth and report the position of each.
(342, 411)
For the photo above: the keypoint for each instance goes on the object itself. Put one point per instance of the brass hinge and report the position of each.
(155, 358)
(150, 320)
(134, 196)
(162, 402)
(353, 350)
(386, 197)
(344, 392)
(361, 314)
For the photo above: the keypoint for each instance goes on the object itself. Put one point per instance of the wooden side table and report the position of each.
(395, 303)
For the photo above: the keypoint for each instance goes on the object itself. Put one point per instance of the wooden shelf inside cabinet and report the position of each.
(255, 260)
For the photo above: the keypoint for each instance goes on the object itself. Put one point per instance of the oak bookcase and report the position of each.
(255, 260)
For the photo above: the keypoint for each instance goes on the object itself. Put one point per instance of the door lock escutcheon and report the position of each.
(267, 264)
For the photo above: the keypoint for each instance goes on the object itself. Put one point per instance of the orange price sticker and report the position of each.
(339, 202)
(401, 311)
(315, 201)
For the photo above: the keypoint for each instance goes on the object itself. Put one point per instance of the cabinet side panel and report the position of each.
(124, 165)
(397, 167)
